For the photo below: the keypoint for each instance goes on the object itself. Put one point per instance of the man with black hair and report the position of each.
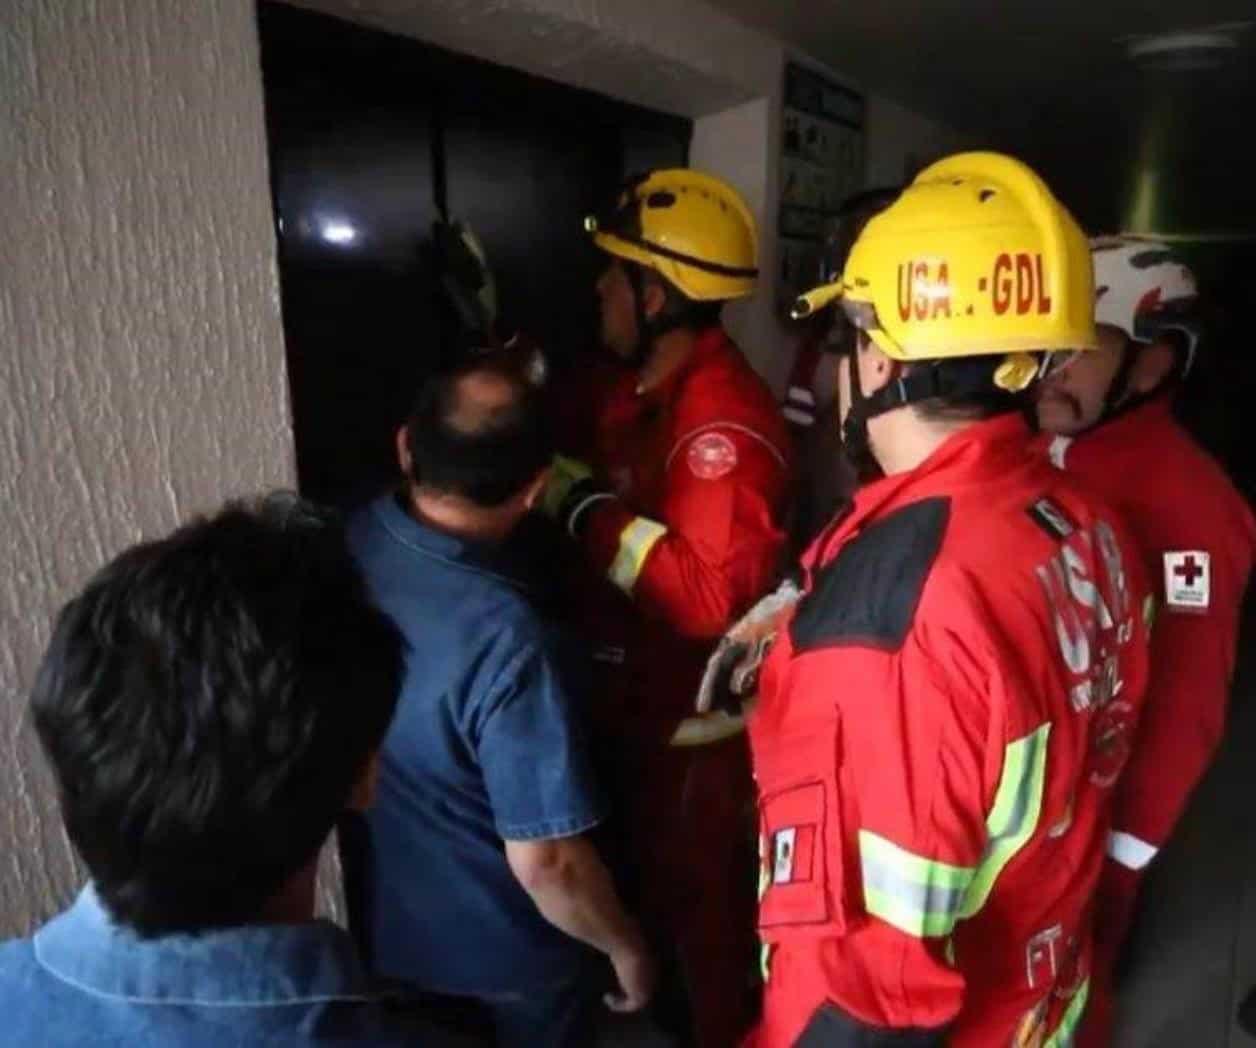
(210, 703)
(481, 880)
(1108, 419)
(946, 707)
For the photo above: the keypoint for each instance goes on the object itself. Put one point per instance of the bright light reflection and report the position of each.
(339, 233)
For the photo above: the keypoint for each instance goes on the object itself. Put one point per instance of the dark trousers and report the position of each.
(562, 1014)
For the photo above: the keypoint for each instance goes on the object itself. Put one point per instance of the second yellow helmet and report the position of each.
(691, 228)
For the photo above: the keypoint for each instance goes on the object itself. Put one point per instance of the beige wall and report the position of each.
(141, 371)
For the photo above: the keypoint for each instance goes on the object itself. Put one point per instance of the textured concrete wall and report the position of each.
(680, 56)
(141, 354)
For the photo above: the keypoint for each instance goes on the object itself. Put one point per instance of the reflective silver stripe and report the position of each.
(801, 395)
(1131, 852)
(798, 417)
(919, 896)
(635, 543)
(736, 427)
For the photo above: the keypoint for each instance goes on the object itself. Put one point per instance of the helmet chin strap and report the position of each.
(648, 330)
(1120, 400)
(926, 381)
(855, 439)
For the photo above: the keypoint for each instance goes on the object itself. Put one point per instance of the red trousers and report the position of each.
(690, 814)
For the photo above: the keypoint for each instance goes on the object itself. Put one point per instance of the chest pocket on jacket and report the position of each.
(802, 867)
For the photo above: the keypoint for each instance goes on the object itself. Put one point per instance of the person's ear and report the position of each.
(362, 796)
(403, 450)
(1151, 368)
(876, 369)
(535, 491)
(653, 298)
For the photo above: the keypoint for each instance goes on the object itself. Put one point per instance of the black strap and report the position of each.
(830, 1027)
(680, 256)
(648, 330)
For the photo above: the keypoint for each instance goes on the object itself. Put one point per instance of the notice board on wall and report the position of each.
(822, 163)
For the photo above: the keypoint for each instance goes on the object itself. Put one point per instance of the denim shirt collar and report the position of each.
(254, 965)
(484, 558)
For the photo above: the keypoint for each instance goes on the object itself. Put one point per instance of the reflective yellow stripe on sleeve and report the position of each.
(919, 896)
(1063, 1036)
(1017, 808)
(635, 543)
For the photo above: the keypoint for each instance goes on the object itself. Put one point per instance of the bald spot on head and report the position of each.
(481, 397)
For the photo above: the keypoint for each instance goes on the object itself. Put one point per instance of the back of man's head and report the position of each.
(208, 704)
(478, 432)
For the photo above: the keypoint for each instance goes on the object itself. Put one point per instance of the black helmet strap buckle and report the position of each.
(928, 380)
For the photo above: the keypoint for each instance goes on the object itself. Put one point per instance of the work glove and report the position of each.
(731, 678)
(571, 491)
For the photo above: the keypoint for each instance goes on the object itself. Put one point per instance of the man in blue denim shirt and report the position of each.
(209, 704)
(479, 878)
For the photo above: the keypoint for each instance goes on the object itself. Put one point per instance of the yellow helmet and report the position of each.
(691, 228)
(975, 258)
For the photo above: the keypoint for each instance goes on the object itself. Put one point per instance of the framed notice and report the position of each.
(822, 163)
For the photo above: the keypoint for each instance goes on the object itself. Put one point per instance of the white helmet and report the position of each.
(1142, 288)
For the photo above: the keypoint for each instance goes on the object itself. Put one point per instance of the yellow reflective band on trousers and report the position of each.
(1017, 809)
(635, 543)
(1063, 1036)
(919, 896)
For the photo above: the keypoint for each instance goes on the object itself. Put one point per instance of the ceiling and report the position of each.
(1051, 80)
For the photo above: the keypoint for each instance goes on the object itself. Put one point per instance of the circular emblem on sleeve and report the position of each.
(711, 456)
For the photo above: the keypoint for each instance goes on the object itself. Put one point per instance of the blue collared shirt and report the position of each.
(83, 980)
(485, 747)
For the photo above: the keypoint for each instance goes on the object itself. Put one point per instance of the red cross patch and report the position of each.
(1187, 580)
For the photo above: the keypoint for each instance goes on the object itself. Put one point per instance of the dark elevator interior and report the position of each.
(372, 138)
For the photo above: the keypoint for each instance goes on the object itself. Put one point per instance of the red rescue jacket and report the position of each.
(701, 469)
(1197, 539)
(938, 732)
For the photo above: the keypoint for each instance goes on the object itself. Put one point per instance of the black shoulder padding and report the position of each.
(868, 593)
(830, 1027)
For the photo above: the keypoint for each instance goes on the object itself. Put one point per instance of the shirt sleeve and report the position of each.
(1183, 718)
(716, 542)
(926, 769)
(534, 755)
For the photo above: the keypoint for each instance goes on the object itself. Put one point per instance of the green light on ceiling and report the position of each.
(1142, 213)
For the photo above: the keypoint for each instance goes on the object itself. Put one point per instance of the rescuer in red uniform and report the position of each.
(1108, 419)
(945, 709)
(680, 508)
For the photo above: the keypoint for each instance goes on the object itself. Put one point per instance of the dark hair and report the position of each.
(484, 452)
(975, 395)
(679, 311)
(207, 704)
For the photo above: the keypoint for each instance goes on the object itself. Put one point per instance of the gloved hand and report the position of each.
(731, 677)
(570, 492)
